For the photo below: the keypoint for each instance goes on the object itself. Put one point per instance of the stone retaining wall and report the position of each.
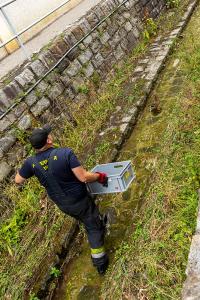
(95, 55)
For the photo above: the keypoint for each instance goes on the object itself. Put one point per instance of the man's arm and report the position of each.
(19, 179)
(85, 176)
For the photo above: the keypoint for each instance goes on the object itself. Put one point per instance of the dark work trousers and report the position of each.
(93, 223)
(84, 210)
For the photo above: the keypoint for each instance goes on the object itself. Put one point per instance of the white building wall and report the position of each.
(22, 13)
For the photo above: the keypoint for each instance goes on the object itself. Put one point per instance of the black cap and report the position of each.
(39, 136)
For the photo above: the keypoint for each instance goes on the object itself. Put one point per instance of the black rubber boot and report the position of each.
(101, 264)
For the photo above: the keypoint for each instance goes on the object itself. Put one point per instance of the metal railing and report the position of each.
(61, 59)
(17, 34)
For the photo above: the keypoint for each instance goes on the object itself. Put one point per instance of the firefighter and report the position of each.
(64, 179)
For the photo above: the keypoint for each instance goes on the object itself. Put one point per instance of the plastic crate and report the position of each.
(120, 175)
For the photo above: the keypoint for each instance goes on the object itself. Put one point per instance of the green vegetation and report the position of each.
(151, 263)
(34, 222)
(151, 29)
(173, 3)
(83, 89)
(29, 222)
(55, 272)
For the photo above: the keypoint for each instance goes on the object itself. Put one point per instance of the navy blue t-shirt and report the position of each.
(64, 161)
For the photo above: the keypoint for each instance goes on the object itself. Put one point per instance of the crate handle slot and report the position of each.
(118, 166)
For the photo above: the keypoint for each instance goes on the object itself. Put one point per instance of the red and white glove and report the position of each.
(103, 179)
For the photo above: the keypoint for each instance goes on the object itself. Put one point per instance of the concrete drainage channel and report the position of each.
(191, 289)
(147, 70)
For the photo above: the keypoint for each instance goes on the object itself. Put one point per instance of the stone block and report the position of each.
(63, 65)
(109, 62)
(96, 45)
(105, 8)
(19, 109)
(105, 50)
(128, 26)
(98, 60)
(120, 20)
(84, 25)
(104, 38)
(85, 56)
(5, 101)
(40, 107)
(92, 19)
(31, 98)
(6, 143)
(55, 91)
(77, 32)
(119, 53)
(5, 123)
(111, 4)
(191, 288)
(126, 119)
(115, 40)
(58, 48)
(131, 40)
(47, 59)
(124, 128)
(25, 122)
(69, 38)
(89, 70)
(122, 33)
(127, 15)
(38, 68)
(112, 29)
(65, 79)
(124, 44)
(11, 117)
(139, 69)
(73, 54)
(11, 92)
(134, 113)
(25, 79)
(82, 46)
(42, 87)
(88, 40)
(5, 170)
(77, 83)
(52, 77)
(69, 93)
(73, 69)
(193, 267)
(99, 12)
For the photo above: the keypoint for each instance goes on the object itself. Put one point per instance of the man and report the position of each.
(64, 179)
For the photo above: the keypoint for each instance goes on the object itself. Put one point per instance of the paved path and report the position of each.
(34, 45)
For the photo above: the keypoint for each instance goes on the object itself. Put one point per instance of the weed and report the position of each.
(33, 297)
(151, 29)
(55, 272)
(83, 89)
(28, 220)
(38, 93)
(21, 135)
(153, 265)
(96, 79)
(11, 229)
(172, 3)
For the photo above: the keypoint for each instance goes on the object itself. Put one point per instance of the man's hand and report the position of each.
(19, 179)
(103, 179)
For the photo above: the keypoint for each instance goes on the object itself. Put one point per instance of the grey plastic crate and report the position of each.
(120, 175)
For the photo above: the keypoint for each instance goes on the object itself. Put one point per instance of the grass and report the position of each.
(151, 263)
(22, 237)
(35, 226)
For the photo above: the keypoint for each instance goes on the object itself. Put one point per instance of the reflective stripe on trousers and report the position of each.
(98, 252)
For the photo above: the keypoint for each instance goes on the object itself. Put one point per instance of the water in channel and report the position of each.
(81, 280)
